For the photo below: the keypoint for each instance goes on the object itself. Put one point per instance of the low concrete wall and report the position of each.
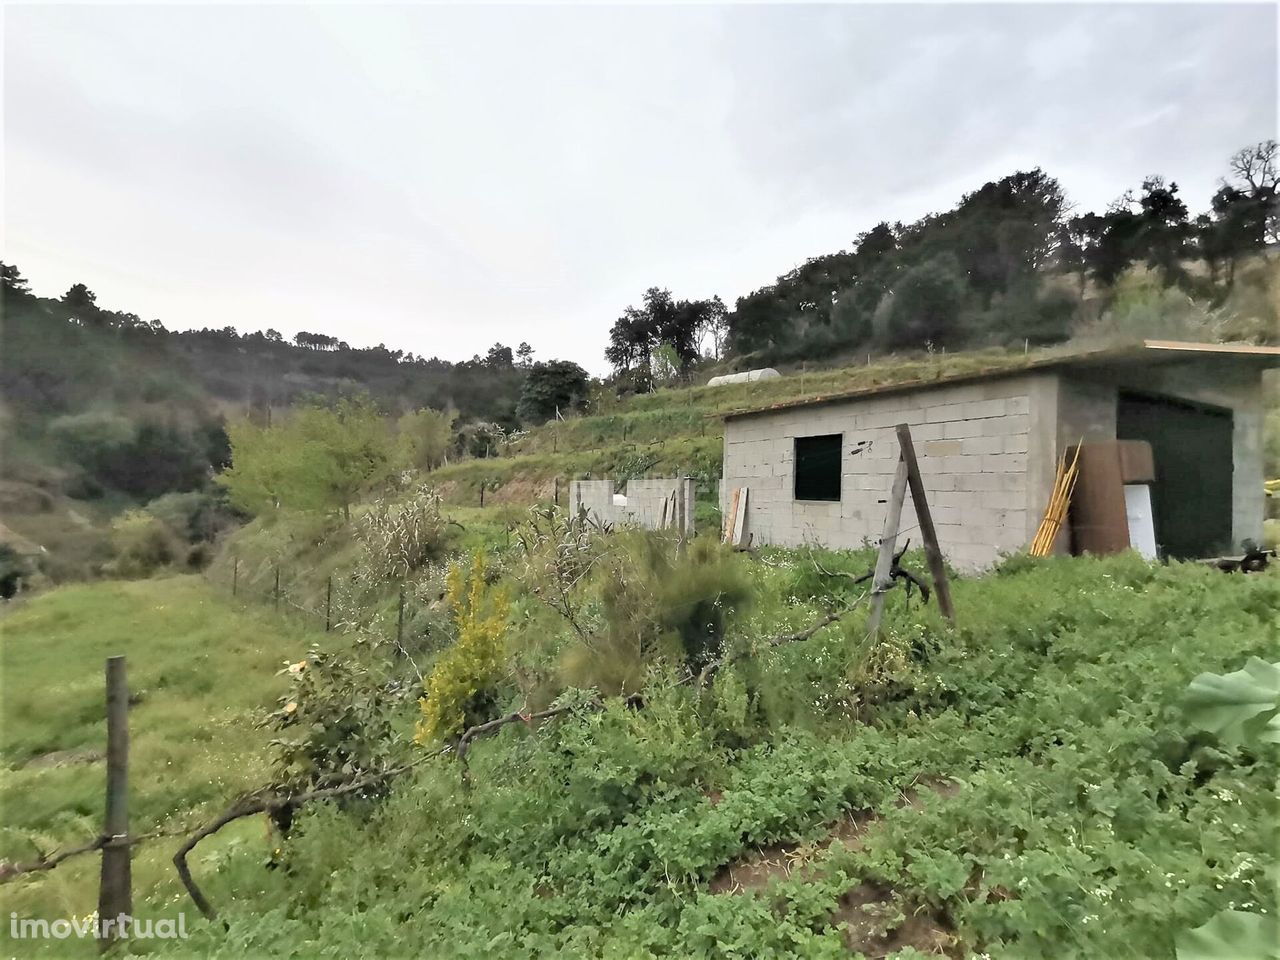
(651, 504)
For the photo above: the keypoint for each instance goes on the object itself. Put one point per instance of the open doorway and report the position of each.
(1191, 445)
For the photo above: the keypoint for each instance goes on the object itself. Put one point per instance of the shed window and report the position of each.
(817, 465)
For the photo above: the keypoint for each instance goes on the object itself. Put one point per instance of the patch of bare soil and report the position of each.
(63, 758)
(522, 490)
(913, 796)
(756, 869)
(876, 923)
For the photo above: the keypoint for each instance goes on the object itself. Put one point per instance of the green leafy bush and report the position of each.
(334, 724)
(658, 600)
(461, 688)
(143, 544)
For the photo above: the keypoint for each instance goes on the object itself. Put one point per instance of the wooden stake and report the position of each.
(328, 605)
(400, 619)
(931, 551)
(888, 540)
(235, 575)
(277, 590)
(115, 888)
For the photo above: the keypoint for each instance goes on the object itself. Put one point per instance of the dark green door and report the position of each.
(1191, 497)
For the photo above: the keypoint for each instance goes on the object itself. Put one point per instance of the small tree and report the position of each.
(259, 474)
(424, 438)
(926, 305)
(321, 458)
(550, 386)
(346, 449)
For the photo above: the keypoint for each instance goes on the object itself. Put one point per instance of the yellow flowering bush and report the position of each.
(466, 673)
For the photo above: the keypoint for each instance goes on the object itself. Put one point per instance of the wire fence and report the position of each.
(408, 632)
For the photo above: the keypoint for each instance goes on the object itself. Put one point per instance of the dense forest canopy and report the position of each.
(1012, 262)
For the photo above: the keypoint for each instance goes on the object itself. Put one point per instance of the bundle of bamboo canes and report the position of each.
(1064, 484)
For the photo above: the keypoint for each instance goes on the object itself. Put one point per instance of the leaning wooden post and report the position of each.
(400, 619)
(883, 579)
(235, 575)
(932, 553)
(115, 896)
(277, 590)
(328, 605)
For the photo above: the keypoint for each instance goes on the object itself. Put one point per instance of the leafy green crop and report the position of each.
(1240, 707)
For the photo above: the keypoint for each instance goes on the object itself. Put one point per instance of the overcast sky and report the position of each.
(441, 178)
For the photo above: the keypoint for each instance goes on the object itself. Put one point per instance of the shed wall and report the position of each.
(972, 441)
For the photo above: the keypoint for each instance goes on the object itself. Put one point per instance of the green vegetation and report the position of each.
(102, 411)
(202, 672)
(322, 457)
(1027, 785)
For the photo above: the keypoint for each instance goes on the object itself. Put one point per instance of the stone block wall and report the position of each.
(973, 441)
(646, 502)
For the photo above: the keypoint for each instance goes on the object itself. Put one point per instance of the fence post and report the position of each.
(115, 896)
(883, 580)
(235, 575)
(328, 604)
(400, 620)
(556, 497)
(482, 493)
(277, 590)
(931, 550)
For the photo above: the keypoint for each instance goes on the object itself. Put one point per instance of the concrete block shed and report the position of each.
(819, 469)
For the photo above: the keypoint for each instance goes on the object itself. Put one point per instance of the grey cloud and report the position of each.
(442, 177)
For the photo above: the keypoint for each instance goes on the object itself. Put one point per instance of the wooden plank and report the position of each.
(933, 554)
(732, 517)
(740, 519)
(115, 888)
(1099, 521)
(888, 540)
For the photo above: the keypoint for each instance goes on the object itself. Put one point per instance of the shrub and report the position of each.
(142, 543)
(660, 600)
(462, 686)
(398, 539)
(424, 437)
(926, 305)
(334, 722)
(196, 516)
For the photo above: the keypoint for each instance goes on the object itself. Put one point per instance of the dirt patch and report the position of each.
(754, 870)
(525, 490)
(63, 758)
(913, 796)
(781, 860)
(876, 923)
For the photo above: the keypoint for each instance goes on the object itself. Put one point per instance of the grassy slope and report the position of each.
(672, 430)
(204, 671)
(1088, 820)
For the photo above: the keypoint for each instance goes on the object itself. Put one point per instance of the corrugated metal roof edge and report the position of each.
(1148, 349)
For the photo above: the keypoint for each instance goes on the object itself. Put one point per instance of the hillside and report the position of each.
(201, 669)
(1026, 780)
(102, 412)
